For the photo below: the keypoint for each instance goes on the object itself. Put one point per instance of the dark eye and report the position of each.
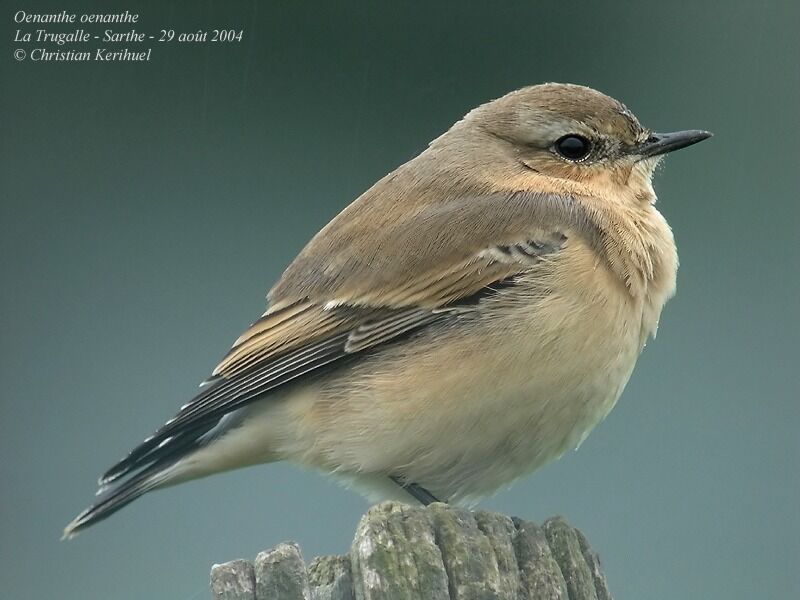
(573, 147)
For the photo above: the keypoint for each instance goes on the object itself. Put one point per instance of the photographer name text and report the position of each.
(45, 32)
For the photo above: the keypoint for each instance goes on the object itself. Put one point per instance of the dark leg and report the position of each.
(419, 492)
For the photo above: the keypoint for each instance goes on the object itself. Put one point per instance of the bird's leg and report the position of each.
(419, 492)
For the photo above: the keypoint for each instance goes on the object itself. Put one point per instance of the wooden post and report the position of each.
(440, 552)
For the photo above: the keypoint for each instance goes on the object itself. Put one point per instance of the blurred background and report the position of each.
(145, 208)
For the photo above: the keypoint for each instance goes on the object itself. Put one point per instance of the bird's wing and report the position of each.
(385, 254)
(361, 275)
(340, 298)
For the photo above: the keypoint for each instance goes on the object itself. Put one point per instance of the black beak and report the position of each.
(661, 143)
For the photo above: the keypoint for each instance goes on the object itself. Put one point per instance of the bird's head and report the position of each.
(576, 133)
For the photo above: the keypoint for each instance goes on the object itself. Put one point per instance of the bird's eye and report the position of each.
(573, 147)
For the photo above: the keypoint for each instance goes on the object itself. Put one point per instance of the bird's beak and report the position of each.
(661, 143)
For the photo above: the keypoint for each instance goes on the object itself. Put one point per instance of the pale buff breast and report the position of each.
(479, 405)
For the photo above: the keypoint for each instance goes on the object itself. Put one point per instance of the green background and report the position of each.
(146, 208)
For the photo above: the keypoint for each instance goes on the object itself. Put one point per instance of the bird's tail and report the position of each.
(110, 501)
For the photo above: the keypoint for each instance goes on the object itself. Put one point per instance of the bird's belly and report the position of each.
(465, 421)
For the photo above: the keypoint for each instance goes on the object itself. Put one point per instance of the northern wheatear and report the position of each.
(470, 317)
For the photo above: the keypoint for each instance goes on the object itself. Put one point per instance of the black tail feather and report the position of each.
(141, 457)
(122, 495)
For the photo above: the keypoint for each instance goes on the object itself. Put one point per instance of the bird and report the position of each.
(467, 319)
